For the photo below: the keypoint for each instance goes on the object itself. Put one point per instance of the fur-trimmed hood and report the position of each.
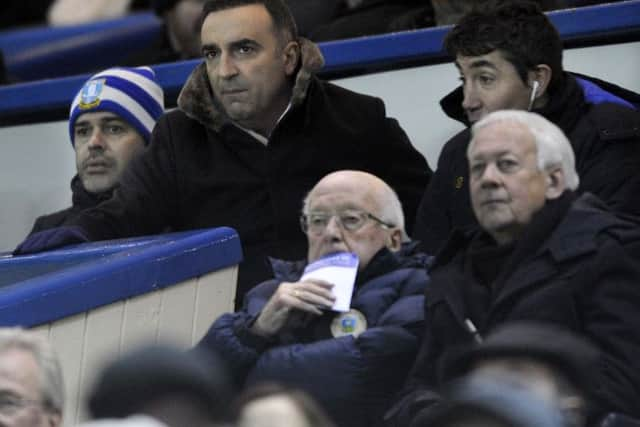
(197, 101)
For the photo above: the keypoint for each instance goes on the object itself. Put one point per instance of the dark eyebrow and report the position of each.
(80, 122)
(106, 120)
(482, 63)
(208, 47)
(243, 42)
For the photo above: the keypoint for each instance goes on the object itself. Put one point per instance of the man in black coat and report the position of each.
(510, 57)
(542, 254)
(110, 122)
(255, 130)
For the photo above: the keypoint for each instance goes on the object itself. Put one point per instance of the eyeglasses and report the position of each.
(350, 220)
(10, 405)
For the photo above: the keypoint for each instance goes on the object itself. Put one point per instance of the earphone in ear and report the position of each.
(534, 91)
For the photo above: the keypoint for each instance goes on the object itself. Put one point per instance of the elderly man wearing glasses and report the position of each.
(31, 384)
(353, 361)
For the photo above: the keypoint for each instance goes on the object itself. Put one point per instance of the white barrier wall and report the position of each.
(179, 315)
(37, 161)
(36, 166)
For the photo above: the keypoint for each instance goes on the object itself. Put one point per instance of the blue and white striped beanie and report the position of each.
(131, 93)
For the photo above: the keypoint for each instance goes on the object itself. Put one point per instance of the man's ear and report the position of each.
(394, 240)
(556, 183)
(291, 53)
(541, 74)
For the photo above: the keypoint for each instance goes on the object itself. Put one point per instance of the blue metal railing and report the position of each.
(48, 286)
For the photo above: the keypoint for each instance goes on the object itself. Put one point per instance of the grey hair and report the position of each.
(51, 381)
(391, 210)
(388, 202)
(553, 147)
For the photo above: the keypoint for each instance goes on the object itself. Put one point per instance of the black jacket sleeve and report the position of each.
(611, 321)
(418, 393)
(53, 220)
(434, 222)
(405, 168)
(608, 156)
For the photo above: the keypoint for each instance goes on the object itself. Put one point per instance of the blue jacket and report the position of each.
(352, 378)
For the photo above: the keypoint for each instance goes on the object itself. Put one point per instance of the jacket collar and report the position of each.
(574, 236)
(566, 105)
(451, 104)
(82, 199)
(197, 101)
(598, 91)
(382, 262)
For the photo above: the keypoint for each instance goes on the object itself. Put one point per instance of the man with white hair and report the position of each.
(541, 254)
(351, 362)
(31, 384)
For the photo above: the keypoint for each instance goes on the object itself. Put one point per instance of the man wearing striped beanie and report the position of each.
(110, 123)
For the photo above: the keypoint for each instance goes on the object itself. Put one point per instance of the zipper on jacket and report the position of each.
(473, 330)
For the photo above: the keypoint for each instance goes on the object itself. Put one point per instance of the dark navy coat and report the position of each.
(352, 378)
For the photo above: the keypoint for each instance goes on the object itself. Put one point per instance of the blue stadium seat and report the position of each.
(45, 52)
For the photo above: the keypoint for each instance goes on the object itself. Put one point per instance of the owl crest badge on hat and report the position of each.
(132, 94)
(90, 94)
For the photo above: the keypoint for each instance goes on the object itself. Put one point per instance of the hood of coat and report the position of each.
(83, 199)
(197, 101)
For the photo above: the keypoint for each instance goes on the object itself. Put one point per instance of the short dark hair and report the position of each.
(517, 28)
(283, 21)
(133, 382)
